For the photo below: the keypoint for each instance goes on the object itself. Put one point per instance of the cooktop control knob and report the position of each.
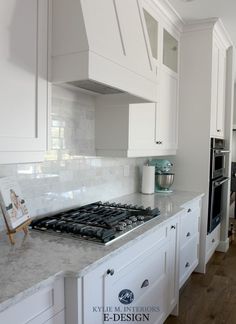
(133, 219)
(119, 228)
(128, 221)
(140, 217)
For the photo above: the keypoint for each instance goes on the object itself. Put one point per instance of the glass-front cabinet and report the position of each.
(170, 51)
(152, 30)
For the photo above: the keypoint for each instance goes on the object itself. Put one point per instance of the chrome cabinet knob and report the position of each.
(188, 234)
(172, 226)
(187, 265)
(189, 210)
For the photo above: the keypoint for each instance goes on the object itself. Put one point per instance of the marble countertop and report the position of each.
(39, 257)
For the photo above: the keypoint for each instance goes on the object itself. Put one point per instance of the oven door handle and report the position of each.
(219, 183)
(221, 151)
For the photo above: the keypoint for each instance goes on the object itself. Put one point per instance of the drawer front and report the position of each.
(188, 259)
(212, 242)
(37, 308)
(192, 205)
(139, 277)
(189, 226)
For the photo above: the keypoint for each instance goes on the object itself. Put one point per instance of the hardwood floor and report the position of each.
(210, 298)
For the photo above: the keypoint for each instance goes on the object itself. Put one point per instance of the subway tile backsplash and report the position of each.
(71, 174)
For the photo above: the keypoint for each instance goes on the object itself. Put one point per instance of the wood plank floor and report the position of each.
(210, 298)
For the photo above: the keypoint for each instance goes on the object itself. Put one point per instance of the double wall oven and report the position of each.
(217, 182)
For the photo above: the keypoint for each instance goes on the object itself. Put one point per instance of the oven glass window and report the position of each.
(217, 201)
(219, 162)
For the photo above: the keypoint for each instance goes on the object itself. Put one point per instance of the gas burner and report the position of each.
(99, 222)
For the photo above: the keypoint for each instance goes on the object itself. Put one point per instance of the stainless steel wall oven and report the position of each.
(217, 181)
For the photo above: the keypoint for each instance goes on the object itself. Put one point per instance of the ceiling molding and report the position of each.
(169, 13)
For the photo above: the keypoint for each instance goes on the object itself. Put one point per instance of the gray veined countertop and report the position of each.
(34, 261)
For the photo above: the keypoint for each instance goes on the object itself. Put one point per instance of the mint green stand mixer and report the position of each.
(163, 177)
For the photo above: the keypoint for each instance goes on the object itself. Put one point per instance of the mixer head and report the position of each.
(161, 166)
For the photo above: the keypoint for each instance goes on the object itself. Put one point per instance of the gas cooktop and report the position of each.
(98, 222)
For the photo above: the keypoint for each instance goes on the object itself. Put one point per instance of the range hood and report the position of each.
(103, 47)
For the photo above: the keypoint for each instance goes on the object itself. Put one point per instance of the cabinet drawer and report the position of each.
(212, 242)
(37, 308)
(189, 225)
(139, 276)
(188, 259)
(191, 206)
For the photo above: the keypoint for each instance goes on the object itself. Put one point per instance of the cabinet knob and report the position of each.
(213, 240)
(110, 272)
(172, 226)
(187, 265)
(218, 130)
(189, 210)
(188, 234)
(145, 283)
(159, 142)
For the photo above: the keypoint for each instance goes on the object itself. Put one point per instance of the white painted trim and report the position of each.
(199, 24)
(21, 157)
(223, 246)
(135, 153)
(221, 30)
(169, 14)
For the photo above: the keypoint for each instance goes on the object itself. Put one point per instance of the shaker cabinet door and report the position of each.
(167, 111)
(23, 80)
(218, 90)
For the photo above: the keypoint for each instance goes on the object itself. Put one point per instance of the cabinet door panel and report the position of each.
(142, 126)
(214, 103)
(151, 268)
(221, 92)
(23, 79)
(166, 114)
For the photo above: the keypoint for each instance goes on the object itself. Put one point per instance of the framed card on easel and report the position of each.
(13, 206)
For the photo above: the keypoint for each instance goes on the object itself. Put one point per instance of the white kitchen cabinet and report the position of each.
(218, 88)
(167, 112)
(23, 80)
(145, 129)
(212, 241)
(46, 305)
(147, 268)
(199, 114)
(189, 240)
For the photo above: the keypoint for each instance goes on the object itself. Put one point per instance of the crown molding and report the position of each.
(169, 13)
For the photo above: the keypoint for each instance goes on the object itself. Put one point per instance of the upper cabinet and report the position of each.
(218, 87)
(146, 129)
(170, 51)
(23, 80)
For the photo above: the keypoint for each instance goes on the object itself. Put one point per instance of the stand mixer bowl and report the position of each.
(164, 180)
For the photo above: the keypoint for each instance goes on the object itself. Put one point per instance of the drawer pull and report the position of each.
(145, 283)
(189, 210)
(172, 227)
(213, 240)
(159, 142)
(110, 272)
(188, 234)
(187, 265)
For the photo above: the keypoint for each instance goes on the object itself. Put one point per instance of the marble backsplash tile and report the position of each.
(71, 174)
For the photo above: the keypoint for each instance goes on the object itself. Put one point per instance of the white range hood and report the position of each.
(103, 47)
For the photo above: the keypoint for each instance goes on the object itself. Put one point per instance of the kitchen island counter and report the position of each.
(34, 261)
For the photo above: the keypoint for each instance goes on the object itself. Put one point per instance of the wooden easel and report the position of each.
(11, 232)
